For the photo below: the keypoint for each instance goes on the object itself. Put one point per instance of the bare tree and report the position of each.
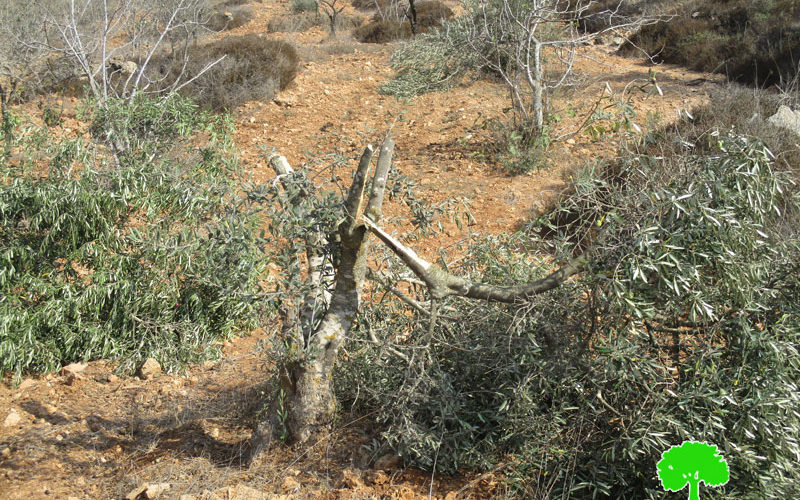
(533, 44)
(111, 44)
(305, 404)
(332, 10)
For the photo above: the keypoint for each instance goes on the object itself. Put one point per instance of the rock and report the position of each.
(26, 384)
(387, 462)
(786, 118)
(148, 491)
(12, 419)
(155, 490)
(149, 369)
(136, 493)
(6, 452)
(73, 368)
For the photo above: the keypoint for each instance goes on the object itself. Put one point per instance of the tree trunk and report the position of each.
(412, 16)
(305, 405)
(538, 88)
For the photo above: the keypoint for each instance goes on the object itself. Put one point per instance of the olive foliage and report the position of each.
(684, 325)
(149, 251)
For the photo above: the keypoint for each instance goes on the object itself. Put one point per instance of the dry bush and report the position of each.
(253, 68)
(430, 14)
(603, 14)
(299, 6)
(294, 23)
(367, 5)
(229, 19)
(379, 30)
(382, 31)
(754, 42)
(306, 20)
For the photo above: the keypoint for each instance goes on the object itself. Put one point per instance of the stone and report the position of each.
(156, 490)
(786, 118)
(148, 491)
(73, 368)
(387, 462)
(136, 493)
(12, 419)
(6, 452)
(26, 384)
(150, 369)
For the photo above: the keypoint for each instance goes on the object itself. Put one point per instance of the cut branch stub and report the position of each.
(355, 197)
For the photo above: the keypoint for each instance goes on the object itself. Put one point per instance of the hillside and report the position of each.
(88, 433)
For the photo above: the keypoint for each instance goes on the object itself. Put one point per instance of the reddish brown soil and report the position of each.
(91, 437)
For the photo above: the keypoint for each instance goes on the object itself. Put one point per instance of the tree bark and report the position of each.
(306, 404)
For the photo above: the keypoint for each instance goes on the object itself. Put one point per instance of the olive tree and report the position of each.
(329, 282)
(533, 44)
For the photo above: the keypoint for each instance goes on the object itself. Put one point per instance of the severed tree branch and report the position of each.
(443, 284)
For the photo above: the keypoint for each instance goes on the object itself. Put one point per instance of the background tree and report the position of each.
(532, 45)
(332, 11)
(110, 44)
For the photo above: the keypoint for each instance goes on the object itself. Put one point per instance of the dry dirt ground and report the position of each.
(94, 435)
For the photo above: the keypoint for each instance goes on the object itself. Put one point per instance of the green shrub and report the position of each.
(253, 67)
(304, 6)
(684, 326)
(754, 42)
(135, 243)
(433, 61)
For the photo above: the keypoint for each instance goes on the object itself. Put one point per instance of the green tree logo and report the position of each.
(692, 463)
